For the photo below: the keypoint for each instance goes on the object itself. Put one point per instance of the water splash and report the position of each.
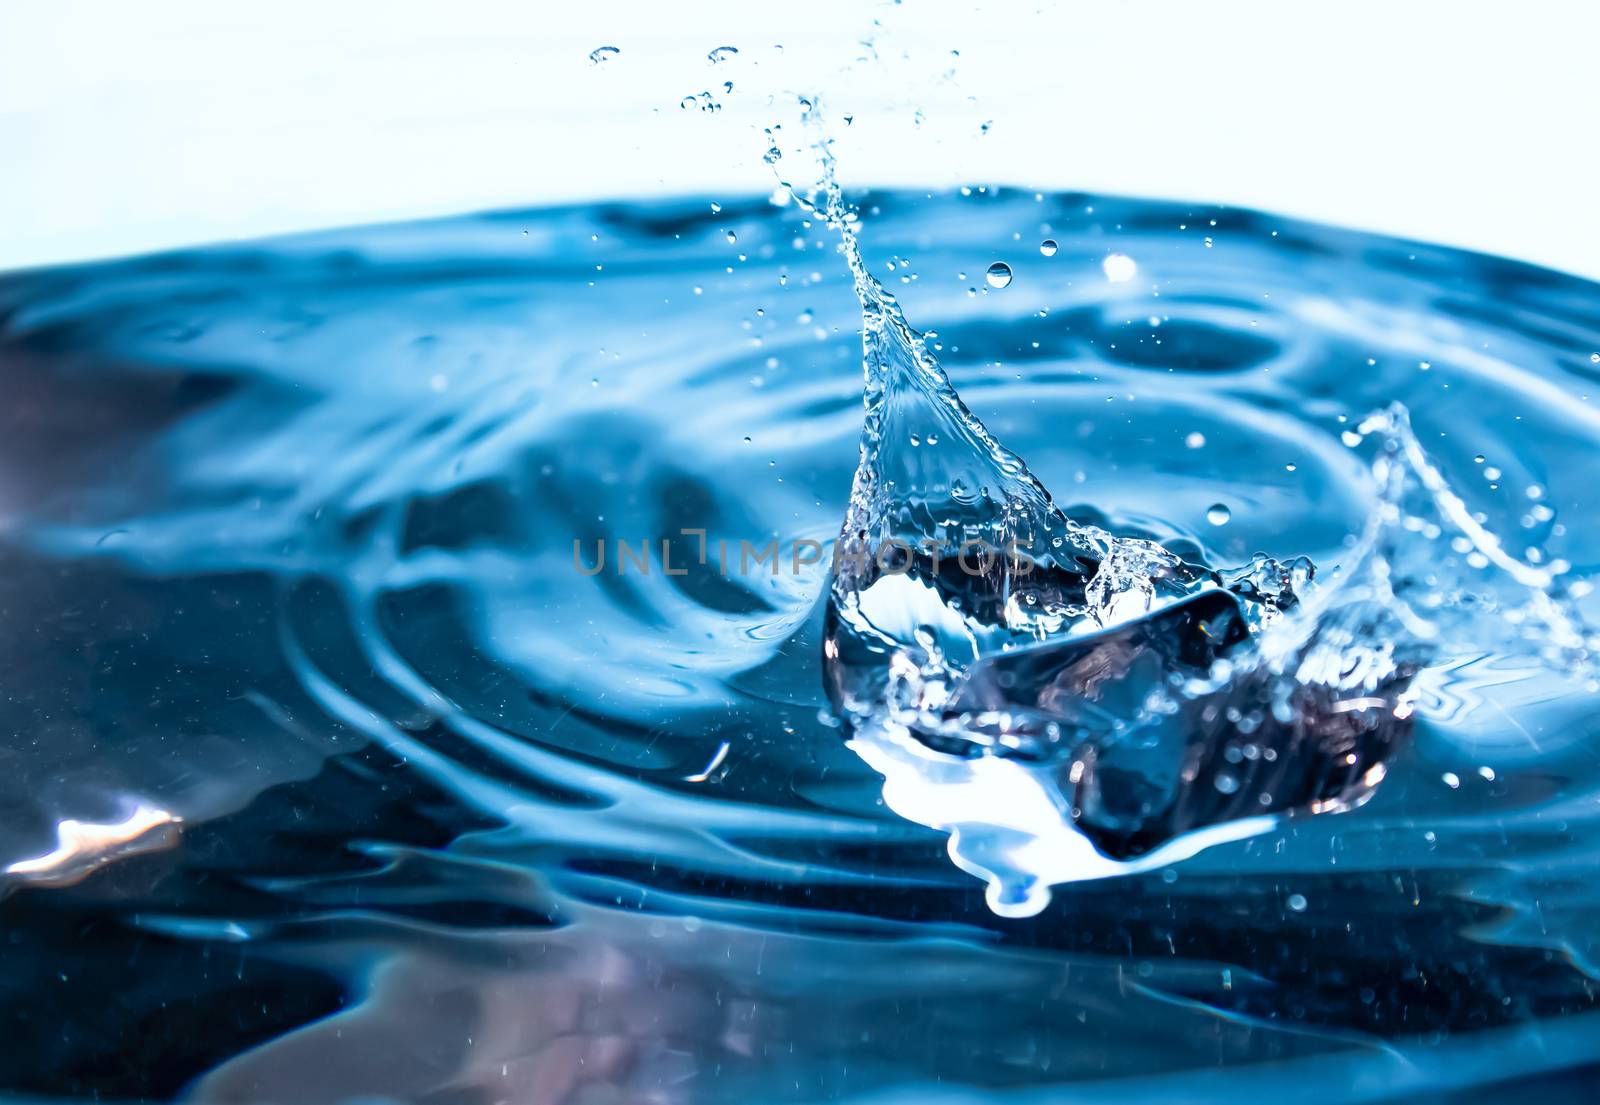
(1071, 704)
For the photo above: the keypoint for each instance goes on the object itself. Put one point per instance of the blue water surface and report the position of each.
(376, 796)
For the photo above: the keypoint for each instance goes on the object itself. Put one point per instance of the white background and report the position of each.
(133, 126)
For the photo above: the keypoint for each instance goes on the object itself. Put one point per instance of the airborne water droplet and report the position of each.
(999, 275)
(722, 53)
(1218, 514)
(1048, 247)
(603, 53)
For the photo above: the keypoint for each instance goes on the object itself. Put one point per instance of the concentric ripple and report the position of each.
(296, 537)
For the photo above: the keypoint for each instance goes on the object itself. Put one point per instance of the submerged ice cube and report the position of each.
(1170, 723)
(1104, 749)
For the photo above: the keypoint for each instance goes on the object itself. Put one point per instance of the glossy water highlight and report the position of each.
(288, 534)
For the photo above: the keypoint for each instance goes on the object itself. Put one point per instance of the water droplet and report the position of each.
(999, 275)
(1119, 268)
(1218, 514)
(722, 53)
(603, 53)
(1451, 779)
(1048, 247)
(1195, 440)
(732, 238)
(1297, 902)
(1594, 358)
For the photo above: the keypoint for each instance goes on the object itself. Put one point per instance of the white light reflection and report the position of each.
(83, 846)
(1119, 268)
(1008, 822)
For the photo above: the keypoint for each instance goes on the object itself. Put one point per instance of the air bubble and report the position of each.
(999, 275)
(1048, 247)
(1297, 902)
(1195, 440)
